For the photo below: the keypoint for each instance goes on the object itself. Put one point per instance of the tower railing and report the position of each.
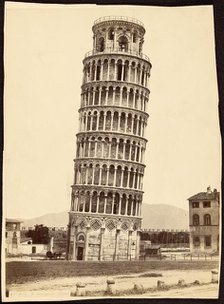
(118, 18)
(117, 51)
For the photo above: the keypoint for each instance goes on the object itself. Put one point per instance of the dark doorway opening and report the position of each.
(80, 253)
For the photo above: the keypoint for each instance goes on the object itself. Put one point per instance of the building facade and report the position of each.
(12, 236)
(105, 214)
(204, 221)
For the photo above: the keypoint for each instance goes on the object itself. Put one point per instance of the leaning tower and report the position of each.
(105, 214)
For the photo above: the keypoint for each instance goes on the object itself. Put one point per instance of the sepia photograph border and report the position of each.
(218, 6)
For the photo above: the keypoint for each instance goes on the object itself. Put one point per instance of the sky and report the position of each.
(43, 51)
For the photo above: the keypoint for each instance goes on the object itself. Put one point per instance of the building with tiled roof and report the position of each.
(12, 236)
(206, 195)
(204, 221)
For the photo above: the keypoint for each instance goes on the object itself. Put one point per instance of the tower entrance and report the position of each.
(80, 244)
(80, 253)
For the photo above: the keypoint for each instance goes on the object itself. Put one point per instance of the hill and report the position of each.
(157, 216)
(161, 216)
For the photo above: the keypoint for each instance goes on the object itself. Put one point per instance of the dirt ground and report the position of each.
(60, 288)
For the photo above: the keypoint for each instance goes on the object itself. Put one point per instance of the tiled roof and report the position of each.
(25, 239)
(205, 196)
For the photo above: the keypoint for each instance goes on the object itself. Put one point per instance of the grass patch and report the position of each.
(20, 272)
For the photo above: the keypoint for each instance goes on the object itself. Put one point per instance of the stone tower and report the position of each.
(105, 214)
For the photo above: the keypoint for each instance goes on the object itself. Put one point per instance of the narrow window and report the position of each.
(101, 45)
(195, 220)
(195, 204)
(196, 241)
(206, 204)
(207, 219)
(111, 34)
(208, 241)
(123, 44)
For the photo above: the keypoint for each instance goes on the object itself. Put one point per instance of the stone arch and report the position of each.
(119, 69)
(104, 175)
(123, 43)
(133, 68)
(98, 70)
(115, 121)
(92, 147)
(131, 98)
(99, 147)
(86, 151)
(102, 199)
(96, 174)
(106, 148)
(123, 204)
(134, 37)
(113, 148)
(117, 96)
(94, 120)
(94, 202)
(96, 99)
(93, 70)
(112, 69)
(138, 73)
(105, 69)
(87, 202)
(129, 123)
(89, 121)
(111, 33)
(111, 175)
(116, 203)
(109, 203)
(108, 121)
(90, 174)
(124, 96)
(133, 151)
(110, 96)
(101, 120)
(125, 177)
(135, 125)
(126, 67)
(81, 200)
(101, 44)
(134, 207)
(127, 150)
(118, 176)
(131, 179)
(122, 122)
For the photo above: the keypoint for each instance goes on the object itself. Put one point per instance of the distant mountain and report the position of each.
(161, 216)
(50, 220)
(157, 216)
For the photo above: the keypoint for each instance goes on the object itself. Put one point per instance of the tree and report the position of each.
(40, 235)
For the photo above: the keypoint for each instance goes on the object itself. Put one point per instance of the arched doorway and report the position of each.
(80, 245)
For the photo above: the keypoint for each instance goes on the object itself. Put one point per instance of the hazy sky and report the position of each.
(44, 49)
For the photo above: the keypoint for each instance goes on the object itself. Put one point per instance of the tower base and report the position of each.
(103, 239)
